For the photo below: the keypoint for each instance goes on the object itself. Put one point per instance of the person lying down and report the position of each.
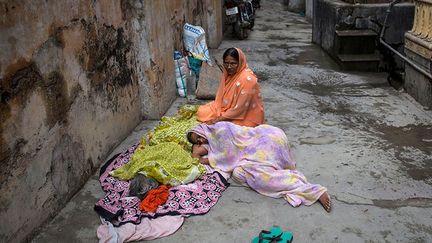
(258, 157)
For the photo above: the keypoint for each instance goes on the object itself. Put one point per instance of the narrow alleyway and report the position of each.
(368, 143)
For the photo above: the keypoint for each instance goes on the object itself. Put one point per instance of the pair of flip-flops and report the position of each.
(274, 235)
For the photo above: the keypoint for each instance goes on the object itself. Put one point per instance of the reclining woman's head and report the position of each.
(195, 138)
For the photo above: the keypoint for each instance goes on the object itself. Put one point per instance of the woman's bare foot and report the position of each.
(325, 201)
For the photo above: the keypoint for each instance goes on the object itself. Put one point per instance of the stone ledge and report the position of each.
(341, 3)
(418, 45)
(425, 1)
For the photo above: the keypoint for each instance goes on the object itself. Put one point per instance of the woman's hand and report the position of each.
(217, 119)
(195, 151)
(196, 155)
(211, 122)
(204, 161)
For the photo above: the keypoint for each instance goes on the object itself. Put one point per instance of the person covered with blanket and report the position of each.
(238, 98)
(258, 157)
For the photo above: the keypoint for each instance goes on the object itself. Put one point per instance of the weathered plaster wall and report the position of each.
(69, 92)
(75, 78)
(158, 25)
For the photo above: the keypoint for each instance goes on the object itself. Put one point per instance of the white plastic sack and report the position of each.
(194, 42)
(181, 71)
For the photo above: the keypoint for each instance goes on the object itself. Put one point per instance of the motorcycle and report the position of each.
(256, 4)
(240, 14)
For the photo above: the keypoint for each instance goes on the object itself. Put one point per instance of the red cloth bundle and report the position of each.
(154, 198)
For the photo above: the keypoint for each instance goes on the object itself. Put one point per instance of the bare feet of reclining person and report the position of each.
(325, 201)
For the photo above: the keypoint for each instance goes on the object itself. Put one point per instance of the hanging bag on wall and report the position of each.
(181, 66)
(195, 43)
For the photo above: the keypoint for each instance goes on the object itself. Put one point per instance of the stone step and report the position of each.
(360, 62)
(355, 33)
(358, 57)
(356, 42)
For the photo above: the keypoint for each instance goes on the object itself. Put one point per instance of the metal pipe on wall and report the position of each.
(382, 41)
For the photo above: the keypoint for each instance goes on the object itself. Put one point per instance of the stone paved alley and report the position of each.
(368, 143)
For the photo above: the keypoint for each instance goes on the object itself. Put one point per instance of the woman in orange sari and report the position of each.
(238, 98)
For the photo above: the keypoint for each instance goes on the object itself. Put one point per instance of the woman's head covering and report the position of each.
(241, 66)
(229, 80)
(198, 129)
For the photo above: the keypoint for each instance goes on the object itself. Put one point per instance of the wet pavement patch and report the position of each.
(262, 76)
(272, 63)
(318, 140)
(340, 108)
(380, 85)
(417, 136)
(280, 37)
(276, 19)
(279, 46)
(353, 231)
(264, 27)
(420, 174)
(334, 87)
(419, 228)
(309, 55)
(403, 139)
(410, 202)
(319, 89)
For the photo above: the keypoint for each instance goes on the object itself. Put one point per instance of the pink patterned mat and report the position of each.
(118, 207)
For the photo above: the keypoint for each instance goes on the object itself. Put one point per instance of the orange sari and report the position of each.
(238, 98)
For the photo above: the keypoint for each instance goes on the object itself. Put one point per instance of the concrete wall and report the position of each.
(75, 78)
(324, 23)
(309, 9)
(331, 15)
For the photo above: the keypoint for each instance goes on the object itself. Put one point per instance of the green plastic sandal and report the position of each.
(274, 235)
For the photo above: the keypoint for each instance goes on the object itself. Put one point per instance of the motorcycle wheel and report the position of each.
(240, 32)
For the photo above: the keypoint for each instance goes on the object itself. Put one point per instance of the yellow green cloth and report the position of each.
(166, 162)
(174, 129)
